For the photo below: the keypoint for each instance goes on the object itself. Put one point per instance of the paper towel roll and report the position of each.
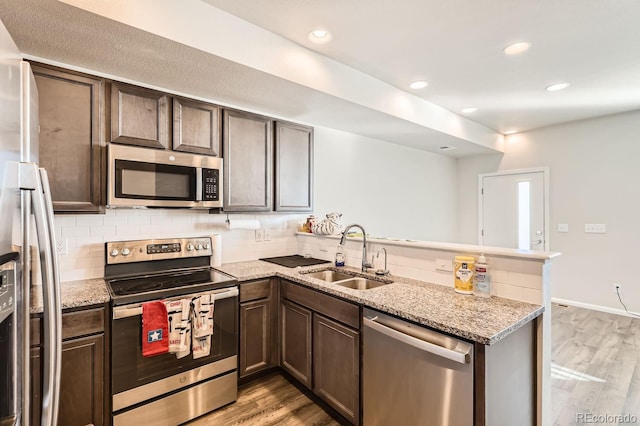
(216, 244)
(243, 224)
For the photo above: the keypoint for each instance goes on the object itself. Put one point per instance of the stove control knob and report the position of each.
(114, 252)
(198, 246)
(189, 247)
(125, 252)
(205, 246)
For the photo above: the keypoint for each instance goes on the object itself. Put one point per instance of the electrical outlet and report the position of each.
(444, 265)
(259, 234)
(267, 235)
(617, 288)
(595, 228)
(61, 246)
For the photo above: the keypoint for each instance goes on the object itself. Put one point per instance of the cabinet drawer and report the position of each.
(340, 310)
(81, 323)
(255, 290)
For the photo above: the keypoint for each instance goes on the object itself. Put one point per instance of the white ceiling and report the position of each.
(456, 45)
(254, 55)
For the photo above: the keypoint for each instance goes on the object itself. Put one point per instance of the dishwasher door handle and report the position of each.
(459, 357)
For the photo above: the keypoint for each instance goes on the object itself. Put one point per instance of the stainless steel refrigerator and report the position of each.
(28, 260)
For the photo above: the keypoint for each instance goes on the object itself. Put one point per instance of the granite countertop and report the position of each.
(75, 294)
(482, 320)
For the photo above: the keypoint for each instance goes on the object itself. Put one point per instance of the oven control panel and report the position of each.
(158, 249)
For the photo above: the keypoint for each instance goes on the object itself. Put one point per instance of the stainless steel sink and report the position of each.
(359, 283)
(347, 279)
(329, 276)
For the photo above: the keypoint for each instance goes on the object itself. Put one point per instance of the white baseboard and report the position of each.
(595, 307)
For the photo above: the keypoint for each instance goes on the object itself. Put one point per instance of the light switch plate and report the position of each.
(595, 228)
(563, 227)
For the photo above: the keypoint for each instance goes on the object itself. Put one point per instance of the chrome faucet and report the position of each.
(384, 271)
(365, 264)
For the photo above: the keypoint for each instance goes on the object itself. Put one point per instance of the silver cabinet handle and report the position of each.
(459, 357)
(135, 309)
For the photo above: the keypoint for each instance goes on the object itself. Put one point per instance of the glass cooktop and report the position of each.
(161, 286)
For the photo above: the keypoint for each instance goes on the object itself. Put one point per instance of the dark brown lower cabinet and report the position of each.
(255, 341)
(83, 388)
(296, 341)
(258, 327)
(321, 346)
(82, 381)
(36, 385)
(336, 366)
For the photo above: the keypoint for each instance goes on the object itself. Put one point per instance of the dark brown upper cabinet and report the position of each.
(139, 116)
(293, 167)
(196, 127)
(71, 114)
(248, 156)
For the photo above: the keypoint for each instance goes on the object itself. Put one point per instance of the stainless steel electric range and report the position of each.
(162, 389)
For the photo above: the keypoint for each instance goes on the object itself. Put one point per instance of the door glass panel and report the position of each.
(524, 215)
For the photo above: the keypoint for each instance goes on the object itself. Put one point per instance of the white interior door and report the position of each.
(513, 209)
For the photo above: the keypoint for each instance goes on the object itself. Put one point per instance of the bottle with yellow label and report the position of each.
(463, 274)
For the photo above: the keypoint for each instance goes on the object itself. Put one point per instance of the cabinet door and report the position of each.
(196, 127)
(71, 116)
(35, 371)
(255, 336)
(296, 342)
(294, 168)
(82, 381)
(139, 116)
(248, 156)
(336, 366)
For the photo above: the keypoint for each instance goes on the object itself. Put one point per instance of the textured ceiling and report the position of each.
(456, 45)
(59, 33)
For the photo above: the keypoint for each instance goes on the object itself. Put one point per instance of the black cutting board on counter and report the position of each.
(294, 261)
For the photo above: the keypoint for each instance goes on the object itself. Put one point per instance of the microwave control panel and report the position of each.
(210, 179)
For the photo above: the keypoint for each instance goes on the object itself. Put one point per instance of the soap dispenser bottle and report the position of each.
(340, 255)
(482, 283)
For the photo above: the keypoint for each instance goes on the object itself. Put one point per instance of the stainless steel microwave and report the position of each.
(156, 178)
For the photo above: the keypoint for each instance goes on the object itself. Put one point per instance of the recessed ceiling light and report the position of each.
(319, 36)
(468, 110)
(420, 84)
(557, 86)
(510, 132)
(516, 48)
(447, 148)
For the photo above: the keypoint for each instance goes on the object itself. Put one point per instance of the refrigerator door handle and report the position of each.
(52, 312)
(54, 291)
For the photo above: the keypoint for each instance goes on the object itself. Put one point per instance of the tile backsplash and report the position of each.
(511, 277)
(85, 235)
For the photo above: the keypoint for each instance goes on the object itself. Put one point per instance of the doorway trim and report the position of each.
(545, 177)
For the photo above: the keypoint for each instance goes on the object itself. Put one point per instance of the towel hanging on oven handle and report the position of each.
(134, 309)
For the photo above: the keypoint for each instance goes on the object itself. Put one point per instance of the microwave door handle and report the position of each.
(198, 183)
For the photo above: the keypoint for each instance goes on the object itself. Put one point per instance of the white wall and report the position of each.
(391, 190)
(594, 178)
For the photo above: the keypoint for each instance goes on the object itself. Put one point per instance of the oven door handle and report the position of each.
(135, 309)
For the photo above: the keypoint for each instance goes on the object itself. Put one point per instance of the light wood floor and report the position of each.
(595, 365)
(268, 401)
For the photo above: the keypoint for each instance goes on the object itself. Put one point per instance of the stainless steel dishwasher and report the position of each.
(413, 375)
